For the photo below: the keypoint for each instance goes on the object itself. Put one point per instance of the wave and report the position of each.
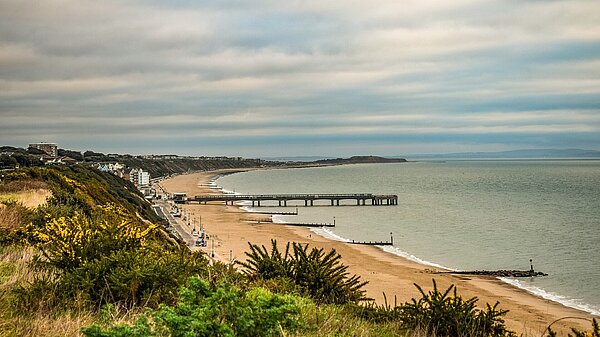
(328, 234)
(399, 252)
(539, 292)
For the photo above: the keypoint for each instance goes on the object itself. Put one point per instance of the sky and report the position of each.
(297, 78)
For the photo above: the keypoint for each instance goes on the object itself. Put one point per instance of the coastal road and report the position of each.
(162, 209)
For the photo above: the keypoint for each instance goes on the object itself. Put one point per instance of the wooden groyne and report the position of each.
(375, 243)
(372, 243)
(306, 224)
(277, 213)
(498, 273)
(300, 224)
(269, 220)
(362, 199)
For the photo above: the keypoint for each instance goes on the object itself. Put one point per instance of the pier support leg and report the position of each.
(338, 202)
(279, 203)
(311, 202)
(331, 202)
(285, 203)
(305, 203)
(252, 203)
(259, 203)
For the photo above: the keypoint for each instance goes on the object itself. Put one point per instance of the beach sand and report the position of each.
(228, 227)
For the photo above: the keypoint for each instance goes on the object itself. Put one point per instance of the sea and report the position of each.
(463, 215)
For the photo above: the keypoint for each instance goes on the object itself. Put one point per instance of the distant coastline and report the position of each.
(526, 154)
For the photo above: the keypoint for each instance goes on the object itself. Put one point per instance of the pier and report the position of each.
(361, 199)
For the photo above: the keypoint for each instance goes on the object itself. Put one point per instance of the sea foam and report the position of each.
(568, 302)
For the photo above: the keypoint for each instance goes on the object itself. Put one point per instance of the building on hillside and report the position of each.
(50, 148)
(134, 176)
(144, 179)
(139, 177)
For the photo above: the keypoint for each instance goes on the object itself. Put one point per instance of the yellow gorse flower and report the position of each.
(69, 242)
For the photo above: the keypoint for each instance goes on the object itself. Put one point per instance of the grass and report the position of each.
(40, 324)
(337, 320)
(22, 185)
(28, 198)
(15, 271)
(14, 268)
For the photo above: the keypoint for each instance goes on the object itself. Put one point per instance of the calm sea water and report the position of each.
(466, 215)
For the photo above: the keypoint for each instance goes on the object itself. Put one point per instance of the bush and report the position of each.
(71, 242)
(595, 332)
(441, 314)
(133, 277)
(318, 275)
(222, 311)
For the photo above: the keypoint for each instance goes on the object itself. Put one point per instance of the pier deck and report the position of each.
(362, 199)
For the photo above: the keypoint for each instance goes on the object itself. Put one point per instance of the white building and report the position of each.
(139, 178)
(144, 178)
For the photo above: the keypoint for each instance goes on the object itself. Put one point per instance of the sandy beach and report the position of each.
(231, 231)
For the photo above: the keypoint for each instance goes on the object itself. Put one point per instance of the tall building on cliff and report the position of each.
(50, 148)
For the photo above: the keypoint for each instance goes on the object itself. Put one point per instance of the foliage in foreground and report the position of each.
(595, 332)
(317, 274)
(442, 313)
(222, 311)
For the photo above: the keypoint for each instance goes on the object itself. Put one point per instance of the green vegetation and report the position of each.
(444, 315)
(595, 332)
(223, 310)
(94, 261)
(316, 274)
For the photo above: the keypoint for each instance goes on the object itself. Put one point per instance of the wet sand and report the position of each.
(231, 231)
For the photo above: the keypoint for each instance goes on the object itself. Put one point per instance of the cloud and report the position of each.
(479, 72)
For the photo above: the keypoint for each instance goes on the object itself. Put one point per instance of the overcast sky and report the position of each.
(275, 78)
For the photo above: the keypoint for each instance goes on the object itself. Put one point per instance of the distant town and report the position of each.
(138, 169)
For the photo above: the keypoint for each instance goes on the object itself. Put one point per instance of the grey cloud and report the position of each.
(300, 67)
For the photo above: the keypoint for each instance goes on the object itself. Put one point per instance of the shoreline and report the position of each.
(386, 271)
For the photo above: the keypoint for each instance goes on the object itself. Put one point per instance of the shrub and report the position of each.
(70, 242)
(133, 277)
(442, 314)
(595, 332)
(222, 311)
(319, 275)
